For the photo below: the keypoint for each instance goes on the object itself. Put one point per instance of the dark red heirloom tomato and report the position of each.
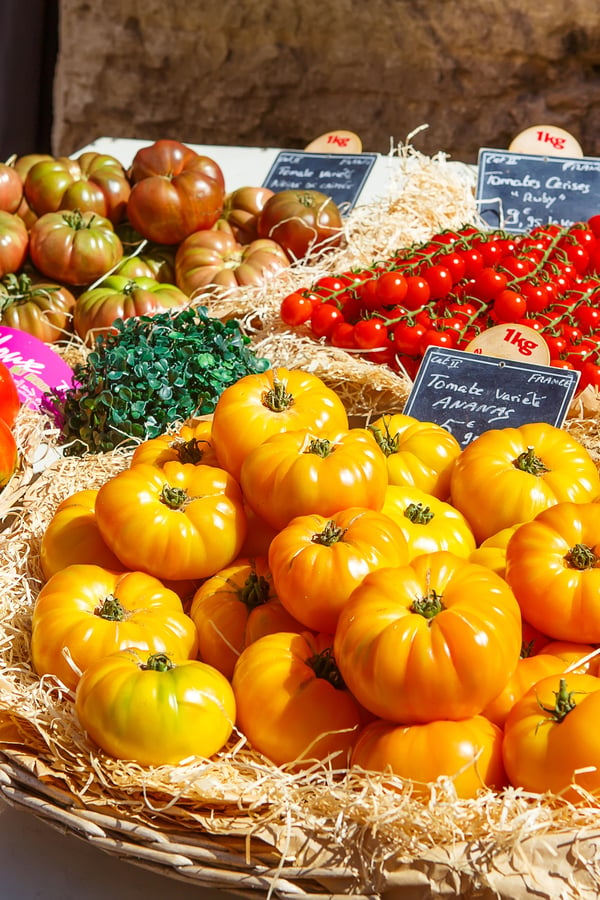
(175, 192)
(301, 221)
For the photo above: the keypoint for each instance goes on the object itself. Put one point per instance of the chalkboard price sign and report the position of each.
(468, 393)
(341, 176)
(517, 191)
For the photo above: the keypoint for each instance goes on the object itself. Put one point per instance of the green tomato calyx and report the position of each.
(563, 705)
(331, 534)
(111, 609)
(173, 497)
(580, 556)
(429, 605)
(278, 399)
(256, 590)
(324, 666)
(419, 514)
(158, 662)
(529, 462)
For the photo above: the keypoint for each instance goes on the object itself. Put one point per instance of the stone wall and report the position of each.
(279, 73)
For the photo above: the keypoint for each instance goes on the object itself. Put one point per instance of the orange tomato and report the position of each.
(317, 561)
(297, 473)
(261, 404)
(435, 639)
(468, 752)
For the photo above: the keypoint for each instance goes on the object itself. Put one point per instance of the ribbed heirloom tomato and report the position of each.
(435, 639)
(261, 404)
(42, 309)
(123, 298)
(418, 453)
(509, 475)
(91, 611)
(75, 248)
(155, 710)
(175, 192)
(296, 473)
(469, 752)
(176, 522)
(291, 703)
(235, 607)
(190, 443)
(552, 565)
(317, 561)
(427, 523)
(551, 741)
(72, 536)
(301, 221)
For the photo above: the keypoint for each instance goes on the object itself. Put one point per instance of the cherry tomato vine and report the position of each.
(447, 290)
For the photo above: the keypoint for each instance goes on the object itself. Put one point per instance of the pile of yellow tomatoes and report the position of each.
(363, 595)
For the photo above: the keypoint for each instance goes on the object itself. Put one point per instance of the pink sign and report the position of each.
(35, 367)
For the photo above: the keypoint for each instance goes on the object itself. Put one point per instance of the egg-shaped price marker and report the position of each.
(338, 141)
(546, 140)
(512, 341)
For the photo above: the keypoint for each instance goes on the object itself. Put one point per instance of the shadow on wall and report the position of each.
(28, 49)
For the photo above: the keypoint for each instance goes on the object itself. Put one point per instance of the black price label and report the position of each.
(341, 176)
(468, 393)
(516, 192)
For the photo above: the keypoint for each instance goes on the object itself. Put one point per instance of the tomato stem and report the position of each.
(564, 702)
(320, 447)
(529, 462)
(173, 497)
(158, 662)
(428, 606)
(331, 534)
(419, 514)
(111, 609)
(190, 451)
(324, 666)
(388, 443)
(580, 556)
(278, 399)
(256, 590)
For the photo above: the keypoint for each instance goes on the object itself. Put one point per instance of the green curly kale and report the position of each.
(154, 371)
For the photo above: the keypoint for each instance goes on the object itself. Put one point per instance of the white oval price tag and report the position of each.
(512, 341)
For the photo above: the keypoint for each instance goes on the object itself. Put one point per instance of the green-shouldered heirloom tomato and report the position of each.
(296, 473)
(11, 188)
(261, 404)
(509, 475)
(154, 709)
(175, 192)
(119, 297)
(41, 308)
(75, 248)
(467, 752)
(317, 561)
(291, 703)
(435, 639)
(241, 210)
(14, 242)
(177, 522)
(235, 607)
(303, 222)
(206, 260)
(94, 182)
(91, 611)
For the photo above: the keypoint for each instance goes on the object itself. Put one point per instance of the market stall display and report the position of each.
(276, 808)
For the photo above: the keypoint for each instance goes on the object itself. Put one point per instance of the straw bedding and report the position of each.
(237, 822)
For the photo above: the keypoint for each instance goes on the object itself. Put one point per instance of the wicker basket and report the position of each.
(237, 823)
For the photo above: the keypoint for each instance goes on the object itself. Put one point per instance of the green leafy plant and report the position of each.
(153, 371)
